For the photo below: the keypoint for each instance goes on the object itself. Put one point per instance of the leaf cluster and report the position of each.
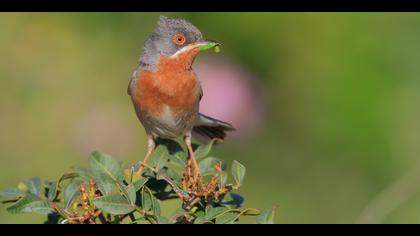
(108, 192)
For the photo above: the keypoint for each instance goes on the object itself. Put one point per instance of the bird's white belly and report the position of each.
(168, 125)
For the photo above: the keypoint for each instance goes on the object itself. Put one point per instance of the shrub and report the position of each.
(107, 193)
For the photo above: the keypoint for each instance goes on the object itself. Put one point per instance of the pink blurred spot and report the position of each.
(230, 94)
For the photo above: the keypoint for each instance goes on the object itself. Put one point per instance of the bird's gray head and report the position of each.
(171, 38)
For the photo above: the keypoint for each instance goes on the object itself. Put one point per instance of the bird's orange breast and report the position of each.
(172, 85)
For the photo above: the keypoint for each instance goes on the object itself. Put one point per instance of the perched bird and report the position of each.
(166, 92)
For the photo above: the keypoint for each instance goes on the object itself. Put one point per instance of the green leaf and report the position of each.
(227, 218)
(131, 193)
(140, 183)
(104, 186)
(231, 216)
(52, 190)
(200, 220)
(102, 182)
(107, 171)
(83, 173)
(156, 206)
(146, 199)
(207, 165)
(238, 173)
(172, 171)
(115, 204)
(205, 149)
(159, 156)
(213, 212)
(267, 216)
(223, 178)
(177, 154)
(128, 175)
(199, 213)
(131, 176)
(250, 212)
(60, 210)
(12, 192)
(103, 165)
(23, 187)
(179, 159)
(127, 191)
(67, 176)
(30, 203)
(34, 185)
(149, 202)
(175, 186)
(71, 192)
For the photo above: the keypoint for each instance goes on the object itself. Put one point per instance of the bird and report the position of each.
(166, 92)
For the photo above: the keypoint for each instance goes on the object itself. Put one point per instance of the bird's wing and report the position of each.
(208, 128)
(200, 90)
(130, 84)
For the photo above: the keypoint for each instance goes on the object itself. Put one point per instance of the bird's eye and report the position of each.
(179, 39)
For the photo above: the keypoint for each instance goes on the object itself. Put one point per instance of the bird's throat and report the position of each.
(180, 61)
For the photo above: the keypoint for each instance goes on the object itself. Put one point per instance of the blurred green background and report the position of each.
(340, 136)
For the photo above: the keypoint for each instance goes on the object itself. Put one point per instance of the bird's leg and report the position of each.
(189, 166)
(192, 161)
(150, 148)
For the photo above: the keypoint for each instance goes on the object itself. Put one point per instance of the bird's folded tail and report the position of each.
(208, 128)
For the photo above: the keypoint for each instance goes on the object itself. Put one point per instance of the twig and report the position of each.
(146, 165)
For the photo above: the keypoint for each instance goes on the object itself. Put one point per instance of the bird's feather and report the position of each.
(208, 128)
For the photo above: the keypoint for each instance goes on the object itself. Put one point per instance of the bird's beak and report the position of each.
(203, 46)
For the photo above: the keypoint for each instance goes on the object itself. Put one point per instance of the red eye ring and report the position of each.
(179, 39)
